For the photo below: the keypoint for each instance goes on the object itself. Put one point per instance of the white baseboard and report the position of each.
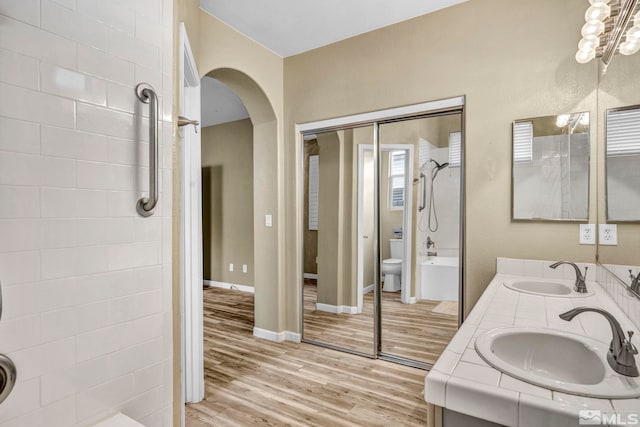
(413, 300)
(276, 336)
(310, 276)
(368, 289)
(232, 286)
(337, 309)
(292, 336)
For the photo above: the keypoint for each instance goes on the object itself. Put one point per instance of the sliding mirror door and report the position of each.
(339, 240)
(420, 187)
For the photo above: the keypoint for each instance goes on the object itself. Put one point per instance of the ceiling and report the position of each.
(219, 104)
(290, 27)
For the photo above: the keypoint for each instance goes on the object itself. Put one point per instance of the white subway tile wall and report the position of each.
(610, 278)
(86, 281)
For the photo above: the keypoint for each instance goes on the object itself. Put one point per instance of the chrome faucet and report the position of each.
(635, 282)
(579, 286)
(430, 243)
(621, 351)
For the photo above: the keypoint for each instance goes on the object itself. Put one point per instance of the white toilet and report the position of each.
(392, 267)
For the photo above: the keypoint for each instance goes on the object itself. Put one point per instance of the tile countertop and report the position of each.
(461, 381)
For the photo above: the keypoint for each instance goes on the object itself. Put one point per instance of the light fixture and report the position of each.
(612, 26)
(562, 120)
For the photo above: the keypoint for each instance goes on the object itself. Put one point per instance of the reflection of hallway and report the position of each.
(409, 330)
(250, 381)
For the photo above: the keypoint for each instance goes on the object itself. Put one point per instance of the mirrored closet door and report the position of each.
(382, 237)
(419, 235)
(339, 242)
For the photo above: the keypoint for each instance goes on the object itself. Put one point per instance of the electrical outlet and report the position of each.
(587, 234)
(244, 268)
(608, 234)
(230, 267)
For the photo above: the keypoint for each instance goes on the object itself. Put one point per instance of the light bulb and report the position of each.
(562, 120)
(633, 33)
(588, 43)
(599, 11)
(629, 47)
(585, 55)
(592, 28)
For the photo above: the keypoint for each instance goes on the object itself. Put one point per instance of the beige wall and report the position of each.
(256, 75)
(227, 201)
(506, 71)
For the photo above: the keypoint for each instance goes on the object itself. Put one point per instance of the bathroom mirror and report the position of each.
(550, 165)
(623, 164)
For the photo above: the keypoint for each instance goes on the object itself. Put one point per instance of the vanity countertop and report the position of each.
(461, 381)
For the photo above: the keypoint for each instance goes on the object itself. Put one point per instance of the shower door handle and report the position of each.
(423, 183)
(146, 94)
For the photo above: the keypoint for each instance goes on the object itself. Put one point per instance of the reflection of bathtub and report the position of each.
(439, 278)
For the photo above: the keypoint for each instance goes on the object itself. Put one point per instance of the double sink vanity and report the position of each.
(545, 345)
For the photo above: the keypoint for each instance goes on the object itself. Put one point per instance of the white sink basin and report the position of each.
(556, 360)
(545, 288)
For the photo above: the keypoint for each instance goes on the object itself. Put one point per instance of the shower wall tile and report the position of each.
(70, 84)
(86, 281)
(36, 106)
(105, 65)
(19, 235)
(24, 10)
(72, 144)
(115, 13)
(19, 37)
(19, 136)
(18, 69)
(81, 28)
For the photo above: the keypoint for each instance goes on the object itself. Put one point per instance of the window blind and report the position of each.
(455, 148)
(623, 132)
(522, 142)
(314, 187)
(396, 179)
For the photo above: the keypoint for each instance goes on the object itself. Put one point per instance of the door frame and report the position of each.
(192, 341)
(405, 294)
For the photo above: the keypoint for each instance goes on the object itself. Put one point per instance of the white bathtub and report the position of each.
(439, 279)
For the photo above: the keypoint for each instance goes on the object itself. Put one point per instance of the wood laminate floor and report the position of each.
(413, 331)
(254, 382)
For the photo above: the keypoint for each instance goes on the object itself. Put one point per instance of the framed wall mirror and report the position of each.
(550, 168)
(623, 164)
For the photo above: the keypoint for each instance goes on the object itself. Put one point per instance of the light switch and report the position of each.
(244, 268)
(230, 267)
(608, 234)
(268, 220)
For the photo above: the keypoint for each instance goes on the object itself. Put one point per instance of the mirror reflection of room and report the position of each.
(623, 164)
(338, 296)
(551, 167)
(420, 241)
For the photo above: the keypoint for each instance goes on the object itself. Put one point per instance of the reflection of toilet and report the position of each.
(392, 267)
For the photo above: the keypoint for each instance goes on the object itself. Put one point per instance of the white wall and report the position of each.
(86, 281)
(446, 189)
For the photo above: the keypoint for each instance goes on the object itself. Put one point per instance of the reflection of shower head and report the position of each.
(440, 166)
